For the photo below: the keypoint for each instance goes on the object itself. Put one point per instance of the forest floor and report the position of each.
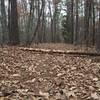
(30, 75)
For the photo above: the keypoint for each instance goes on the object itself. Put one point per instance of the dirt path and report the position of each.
(26, 75)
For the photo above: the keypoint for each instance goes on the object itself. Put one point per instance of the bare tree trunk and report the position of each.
(76, 26)
(98, 36)
(13, 23)
(86, 20)
(55, 24)
(43, 23)
(93, 37)
(29, 28)
(4, 22)
(51, 26)
(72, 20)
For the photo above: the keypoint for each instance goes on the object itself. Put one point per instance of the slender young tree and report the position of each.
(86, 21)
(93, 10)
(3, 22)
(76, 26)
(72, 19)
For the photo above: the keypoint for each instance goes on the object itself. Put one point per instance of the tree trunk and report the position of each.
(4, 22)
(13, 23)
(86, 20)
(98, 36)
(76, 27)
(93, 38)
(72, 20)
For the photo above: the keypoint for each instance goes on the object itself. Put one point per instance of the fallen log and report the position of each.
(70, 52)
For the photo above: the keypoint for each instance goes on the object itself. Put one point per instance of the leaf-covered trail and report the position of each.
(26, 75)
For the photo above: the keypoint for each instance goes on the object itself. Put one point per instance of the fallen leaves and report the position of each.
(95, 96)
(32, 76)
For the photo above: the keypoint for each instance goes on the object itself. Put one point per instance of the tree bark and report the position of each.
(72, 20)
(13, 23)
(4, 22)
(93, 37)
(76, 26)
